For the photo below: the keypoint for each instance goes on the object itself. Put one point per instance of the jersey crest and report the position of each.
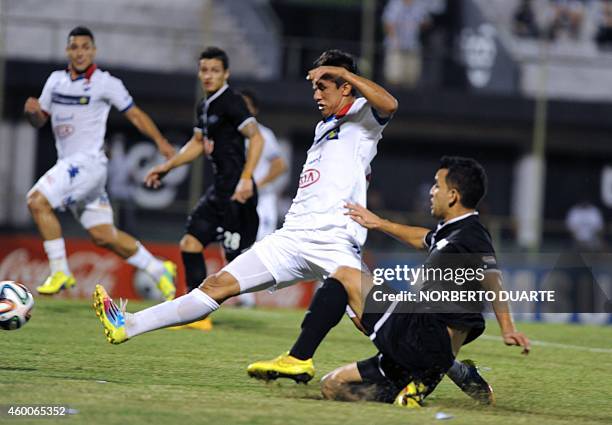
(334, 134)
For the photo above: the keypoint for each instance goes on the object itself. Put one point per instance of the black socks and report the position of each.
(195, 269)
(325, 311)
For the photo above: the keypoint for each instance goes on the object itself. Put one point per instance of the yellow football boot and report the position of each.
(55, 283)
(111, 316)
(283, 366)
(166, 282)
(412, 396)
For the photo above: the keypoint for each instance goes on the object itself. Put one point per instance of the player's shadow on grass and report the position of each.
(20, 369)
(285, 388)
(240, 323)
(67, 308)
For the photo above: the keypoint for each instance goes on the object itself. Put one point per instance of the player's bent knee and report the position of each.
(190, 243)
(102, 236)
(347, 276)
(38, 203)
(220, 286)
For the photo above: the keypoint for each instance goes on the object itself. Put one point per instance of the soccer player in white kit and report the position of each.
(318, 241)
(78, 101)
(270, 167)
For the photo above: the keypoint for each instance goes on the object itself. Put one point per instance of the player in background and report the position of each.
(227, 212)
(417, 341)
(317, 240)
(78, 100)
(270, 168)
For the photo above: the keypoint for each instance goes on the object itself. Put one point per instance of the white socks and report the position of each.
(186, 309)
(145, 261)
(142, 259)
(56, 253)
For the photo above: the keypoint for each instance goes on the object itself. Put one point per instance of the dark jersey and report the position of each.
(460, 245)
(412, 336)
(407, 331)
(220, 118)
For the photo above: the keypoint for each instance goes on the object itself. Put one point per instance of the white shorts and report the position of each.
(267, 210)
(78, 183)
(288, 256)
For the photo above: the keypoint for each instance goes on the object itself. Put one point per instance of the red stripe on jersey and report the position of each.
(90, 70)
(342, 112)
(85, 74)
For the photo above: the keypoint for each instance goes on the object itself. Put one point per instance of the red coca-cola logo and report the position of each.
(88, 267)
(309, 177)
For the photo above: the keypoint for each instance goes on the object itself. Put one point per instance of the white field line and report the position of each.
(556, 345)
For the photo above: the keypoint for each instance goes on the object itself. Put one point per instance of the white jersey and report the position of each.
(79, 109)
(336, 170)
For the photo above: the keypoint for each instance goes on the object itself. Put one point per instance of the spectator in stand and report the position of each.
(524, 21)
(403, 21)
(568, 18)
(604, 31)
(586, 224)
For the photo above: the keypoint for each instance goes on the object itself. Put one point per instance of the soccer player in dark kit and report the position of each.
(418, 341)
(227, 212)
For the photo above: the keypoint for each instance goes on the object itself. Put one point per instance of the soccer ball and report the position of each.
(16, 302)
(146, 287)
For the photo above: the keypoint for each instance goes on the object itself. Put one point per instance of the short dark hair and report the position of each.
(215, 53)
(81, 31)
(252, 96)
(466, 176)
(335, 57)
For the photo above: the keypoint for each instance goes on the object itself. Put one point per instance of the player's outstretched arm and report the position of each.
(192, 149)
(379, 98)
(143, 122)
(244, 189)
(34, 113)
(493, 282)
(410, 235)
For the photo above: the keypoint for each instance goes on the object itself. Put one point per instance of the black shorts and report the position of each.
(411, 347)
(216, 219)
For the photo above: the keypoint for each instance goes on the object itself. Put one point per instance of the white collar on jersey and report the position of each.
(442, 225)
(217, 94)
(456, 219)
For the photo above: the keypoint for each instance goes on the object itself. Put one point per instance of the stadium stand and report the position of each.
(149, 34)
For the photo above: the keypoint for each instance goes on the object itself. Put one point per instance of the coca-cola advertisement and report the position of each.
(23, 259)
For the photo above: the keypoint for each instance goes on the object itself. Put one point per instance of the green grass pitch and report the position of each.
(185, 377)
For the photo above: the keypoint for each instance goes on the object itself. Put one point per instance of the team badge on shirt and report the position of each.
(334, 134)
